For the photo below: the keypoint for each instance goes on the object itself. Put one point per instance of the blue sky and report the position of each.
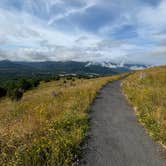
(130, 31)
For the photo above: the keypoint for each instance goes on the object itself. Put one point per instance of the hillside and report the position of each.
(12, 70)
(146, 91)
(17, 69)
(49, 124)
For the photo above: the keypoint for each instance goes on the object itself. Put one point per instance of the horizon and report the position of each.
(130, 32)
(95, 62)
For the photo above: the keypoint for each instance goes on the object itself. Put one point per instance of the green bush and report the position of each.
(25, 84)
(16, 94)
(35, 82)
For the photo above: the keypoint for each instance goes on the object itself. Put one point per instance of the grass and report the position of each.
(49, 124)
(146, 91)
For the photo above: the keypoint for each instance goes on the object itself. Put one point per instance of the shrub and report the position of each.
(25, 84)
(73, 79)
(2, 92)
(69, 77)
(16, 94)
(57, 78)
(35, 82)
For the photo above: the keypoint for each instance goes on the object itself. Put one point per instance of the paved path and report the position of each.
(116, 138)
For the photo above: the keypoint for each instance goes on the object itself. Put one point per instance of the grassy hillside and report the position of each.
(146, 91)
(49, 124)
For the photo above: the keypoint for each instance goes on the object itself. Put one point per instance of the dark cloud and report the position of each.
(93, 19)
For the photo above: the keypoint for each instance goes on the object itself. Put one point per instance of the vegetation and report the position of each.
(48, 125)
(3, 92)
(146, 91)
(15, 89)
(13, 70)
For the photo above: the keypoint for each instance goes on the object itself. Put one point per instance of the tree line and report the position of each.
(14, 89)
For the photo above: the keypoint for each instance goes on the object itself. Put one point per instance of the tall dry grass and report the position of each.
(146, 91)
(49, 124)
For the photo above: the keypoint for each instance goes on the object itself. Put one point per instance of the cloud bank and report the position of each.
(131, 31)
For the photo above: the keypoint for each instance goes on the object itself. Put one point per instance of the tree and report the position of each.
(25, 84)
(35, 82)
(2, 92)
(16, 94)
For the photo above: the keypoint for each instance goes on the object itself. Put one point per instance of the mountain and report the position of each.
(17, 69)
(9, 69)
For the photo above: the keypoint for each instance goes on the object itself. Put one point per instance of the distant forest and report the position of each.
(18, 77)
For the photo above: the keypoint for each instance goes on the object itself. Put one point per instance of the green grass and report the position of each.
(146, 91)
(47, 129)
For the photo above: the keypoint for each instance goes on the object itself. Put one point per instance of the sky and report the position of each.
(128, 31)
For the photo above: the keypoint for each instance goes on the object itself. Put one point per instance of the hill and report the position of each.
(13, 70)
(146, 91)
(48, 125)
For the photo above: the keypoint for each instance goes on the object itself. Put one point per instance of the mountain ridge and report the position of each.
(21, 68)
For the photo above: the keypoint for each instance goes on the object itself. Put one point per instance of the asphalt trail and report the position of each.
(116, 138)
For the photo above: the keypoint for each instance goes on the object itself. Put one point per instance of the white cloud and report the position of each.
(23, 29)
(151, 20)
(154, 17)
(25, 36)
(71, 11)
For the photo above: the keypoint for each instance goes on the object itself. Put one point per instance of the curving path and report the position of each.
(116, 138)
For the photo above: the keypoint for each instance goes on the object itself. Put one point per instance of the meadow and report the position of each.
(49, 124)
(146, 92)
